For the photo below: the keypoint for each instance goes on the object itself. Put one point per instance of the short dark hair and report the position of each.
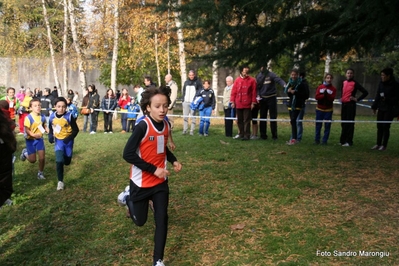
(147, 95)
(387, 71)
(60, 99)
(241, 68)
(148, 78)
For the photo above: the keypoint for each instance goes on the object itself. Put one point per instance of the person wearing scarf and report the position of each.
(296, 91)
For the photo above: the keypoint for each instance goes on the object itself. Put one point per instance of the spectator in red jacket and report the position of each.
(243, 98)
(325, 95)
(124, 100)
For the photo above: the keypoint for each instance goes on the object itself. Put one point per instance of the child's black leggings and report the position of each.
(139, 212)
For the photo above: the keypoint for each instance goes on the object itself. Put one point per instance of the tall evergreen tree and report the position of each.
(256, 31)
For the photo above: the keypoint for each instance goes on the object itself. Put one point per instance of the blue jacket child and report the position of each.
(132, 110)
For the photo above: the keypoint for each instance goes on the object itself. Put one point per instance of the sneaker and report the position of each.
(375, 147)
(292, 142)
(205, 135)
(184, 132)
(23, 157)
(111, 132)
(236, 136)
(253, 137)
(201, 135)
(191, 133)
(8, 202)
(345, 145)
(105, 132)
(60, 185)
(40, 175)
(93, 132)
(122, 196)
(382, 148)
(159, 263)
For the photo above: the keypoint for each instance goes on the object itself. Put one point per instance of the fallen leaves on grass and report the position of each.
(237, 226)
(223, 142)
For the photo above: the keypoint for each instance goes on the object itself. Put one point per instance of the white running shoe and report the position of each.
(60, 185)
(93, 132)
(22, 157)
(122, 196)
(236, 136)
(40, 175)
(159, 263)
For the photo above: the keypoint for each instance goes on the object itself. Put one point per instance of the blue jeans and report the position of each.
(124, 121)
(327, 125)
(299, 125)
(86, 120)
(205, 121)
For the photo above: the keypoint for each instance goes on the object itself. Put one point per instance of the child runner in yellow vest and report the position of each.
(35, 127)
(63, 130)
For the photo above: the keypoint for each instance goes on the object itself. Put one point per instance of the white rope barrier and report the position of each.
(263, 119)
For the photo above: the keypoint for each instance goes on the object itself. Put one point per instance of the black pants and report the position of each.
(228, 123)
(130, 124)
(348, 113)
(268, 105)
(383, 129)
(244, 118)
(138, 207)
(94, 121)
(108, 122)
(293, 116)
(5, 184)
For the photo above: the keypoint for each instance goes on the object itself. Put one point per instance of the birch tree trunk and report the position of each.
(79, 53)
(156, 50)
(182, 53)
(327, 64)
(52, 53)
(168, 36)
(115, 49)
(64, 48)
(215, 78)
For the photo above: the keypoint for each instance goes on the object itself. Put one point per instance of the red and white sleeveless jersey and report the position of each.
(152, 149)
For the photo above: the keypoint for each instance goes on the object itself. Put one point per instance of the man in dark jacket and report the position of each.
(267, 92)
(47, 101)
(54, 93)
(94, 103)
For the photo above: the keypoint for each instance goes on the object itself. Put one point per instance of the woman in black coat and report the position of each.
(386, 105)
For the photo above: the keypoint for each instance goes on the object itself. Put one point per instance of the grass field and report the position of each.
(234, 203)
